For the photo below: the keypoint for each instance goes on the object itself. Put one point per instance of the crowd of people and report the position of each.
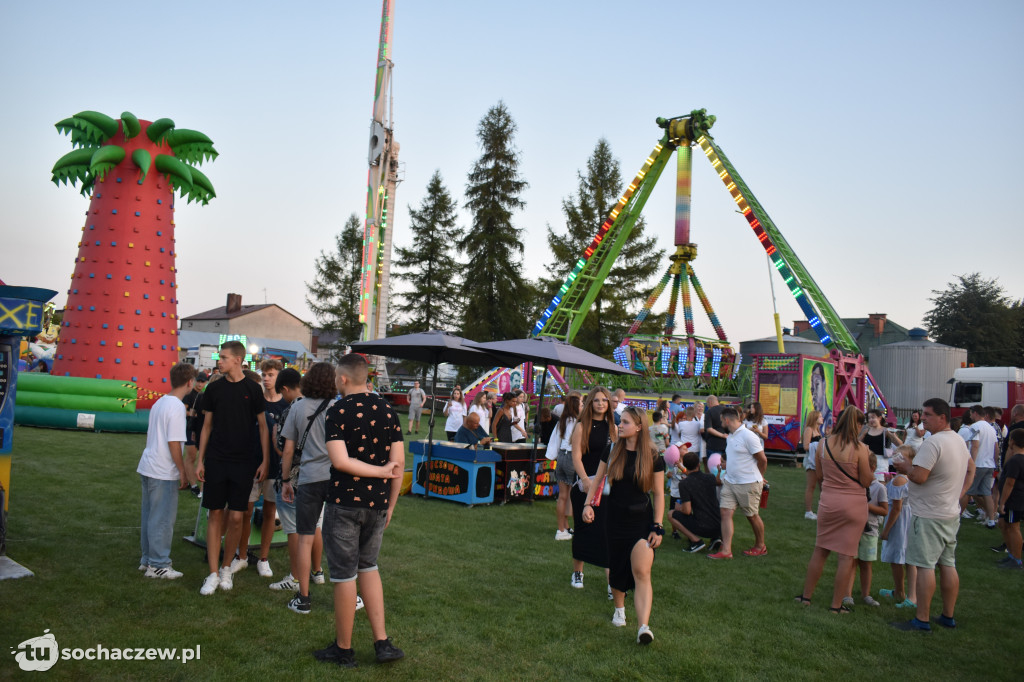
(326, 455)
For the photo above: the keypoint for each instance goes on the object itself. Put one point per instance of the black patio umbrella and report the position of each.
(434, 347)
(550, 352)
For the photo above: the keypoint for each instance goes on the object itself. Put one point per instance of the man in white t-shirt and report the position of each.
(985, 463)
(163, 474)
(745, 464)
(940, 474)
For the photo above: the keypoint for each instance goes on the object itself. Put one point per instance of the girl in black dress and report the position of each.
(501, 426)
(591, 442)
(634, 468)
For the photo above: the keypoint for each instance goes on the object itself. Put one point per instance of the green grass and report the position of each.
(471, 593)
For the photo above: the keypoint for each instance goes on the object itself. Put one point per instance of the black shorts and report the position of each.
(309, 502)
(228, 482)
(705, 530)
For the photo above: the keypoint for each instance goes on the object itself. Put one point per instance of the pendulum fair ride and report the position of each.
(690, 363)
(382, 179)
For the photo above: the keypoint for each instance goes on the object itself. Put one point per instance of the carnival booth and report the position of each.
(790, 386)
(454, 471)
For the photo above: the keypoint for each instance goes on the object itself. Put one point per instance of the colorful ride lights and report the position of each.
(620, 356)
(736, 364)
(684, 355)
(716, 361)
(698, 361)
(666, 358)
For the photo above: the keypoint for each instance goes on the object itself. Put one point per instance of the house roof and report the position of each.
(864, 334)
(219, 313)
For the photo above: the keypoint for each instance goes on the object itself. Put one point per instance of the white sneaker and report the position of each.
(143, 567)
(227, 580)
(610, 597)
(870, 601)
(966, 514)
(263, 568)
(289, 584)
(359, 602)
(165, 573)
(563, 535)
(210, 585)
(619, 617)
(810, 516)
(644, 635)
(238, 565)
(577, 580)
(848, 601)
(317, 577)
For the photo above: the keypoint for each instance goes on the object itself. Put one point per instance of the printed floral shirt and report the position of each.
(368, 426)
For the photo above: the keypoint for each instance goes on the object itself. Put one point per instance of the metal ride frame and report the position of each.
(381, 181)
(682, 361)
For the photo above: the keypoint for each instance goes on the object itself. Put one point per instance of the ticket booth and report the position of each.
(454, 471)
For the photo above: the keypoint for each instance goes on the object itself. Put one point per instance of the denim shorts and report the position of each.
(309, 504)
(285, 512)
(352, 538)
(565, 472)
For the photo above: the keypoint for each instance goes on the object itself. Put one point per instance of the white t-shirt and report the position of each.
(740, 448)
(687, 431)
(762, 425)
(556, 411)
(166, 423)
(565, 443)
(986, 445)
(485, 417)
(945, 456)
(969, 434)
(518, 412)
(456, 412)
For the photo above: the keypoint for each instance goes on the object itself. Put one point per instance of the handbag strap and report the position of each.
(834, 461)
(312, 418)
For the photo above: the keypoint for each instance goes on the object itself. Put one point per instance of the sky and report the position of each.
(884, 139)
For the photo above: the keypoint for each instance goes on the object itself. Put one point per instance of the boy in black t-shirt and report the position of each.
(364, 442)
(696, 514)
(1011, 502)
(226, 466)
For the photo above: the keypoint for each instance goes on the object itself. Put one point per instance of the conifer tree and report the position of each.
(333, 295)
(495, 295)
(429, 265)
(628, 281)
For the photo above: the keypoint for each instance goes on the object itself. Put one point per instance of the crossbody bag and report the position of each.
(293, 475)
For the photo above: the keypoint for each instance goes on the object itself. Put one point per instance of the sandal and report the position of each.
(802, 600)
(842, 610)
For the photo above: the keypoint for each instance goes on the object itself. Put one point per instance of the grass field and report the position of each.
(472, 593)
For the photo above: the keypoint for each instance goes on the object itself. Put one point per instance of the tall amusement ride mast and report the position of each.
(382, 179)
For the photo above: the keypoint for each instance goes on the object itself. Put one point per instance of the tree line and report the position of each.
(469, 279)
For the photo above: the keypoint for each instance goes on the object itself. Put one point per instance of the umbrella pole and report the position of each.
(536, 433)
(430, 431)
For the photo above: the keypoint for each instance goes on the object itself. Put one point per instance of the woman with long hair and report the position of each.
(878, 437)
(634, 528)
(809, 445)
(591, 442)
(844, 473)
(565, 474)
(755, 420)
(915, 431)
(501, 422)
(481, 409)
(455, 410)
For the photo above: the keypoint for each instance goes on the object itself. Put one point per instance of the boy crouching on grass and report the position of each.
(162, 470)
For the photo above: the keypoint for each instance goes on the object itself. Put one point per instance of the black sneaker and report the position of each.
(675, 535)
(696, 546)
(1000, 549)
(300, 604)
(386, 651)
(195, 491)
(716, 545)
(346, 658)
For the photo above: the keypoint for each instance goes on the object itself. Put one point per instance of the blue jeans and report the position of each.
(159, 511)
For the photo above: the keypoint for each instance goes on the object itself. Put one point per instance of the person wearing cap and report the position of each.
(192, 441)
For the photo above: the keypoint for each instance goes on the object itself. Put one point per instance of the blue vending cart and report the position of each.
(457, 472)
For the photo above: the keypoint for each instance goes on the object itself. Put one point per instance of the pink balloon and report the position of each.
(671, 455)
(714, 461)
